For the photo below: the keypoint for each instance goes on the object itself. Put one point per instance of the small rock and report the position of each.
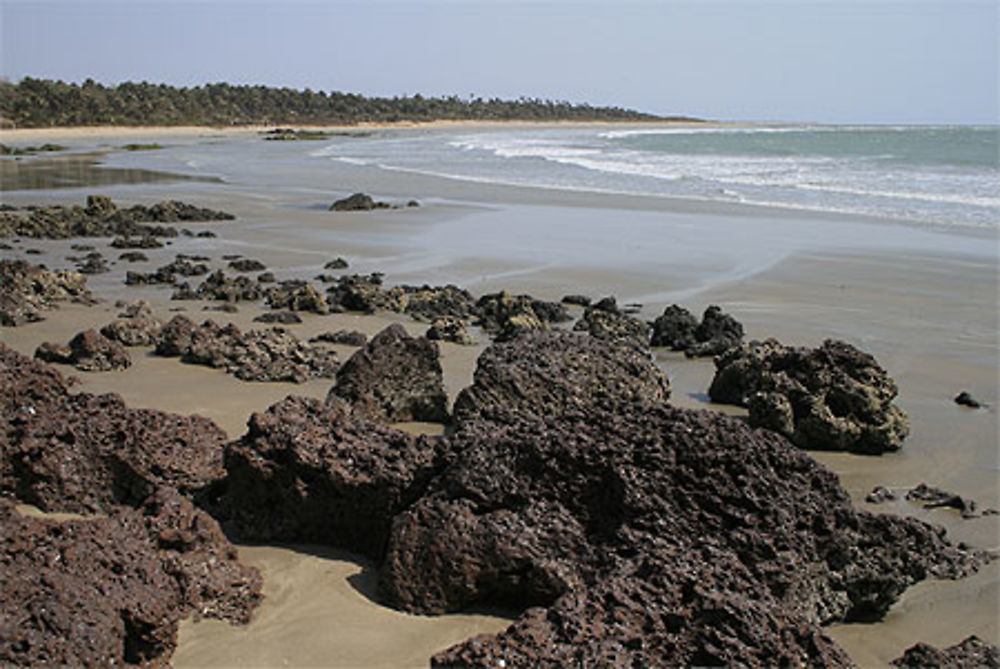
(967, 400)
(283, 317)
(880, 495)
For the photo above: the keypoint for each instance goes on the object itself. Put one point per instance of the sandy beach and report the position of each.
(922, 300)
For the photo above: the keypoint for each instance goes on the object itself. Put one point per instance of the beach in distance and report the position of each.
(882, 236)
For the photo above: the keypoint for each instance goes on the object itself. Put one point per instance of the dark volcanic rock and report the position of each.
(448, 328)
(970, 652)
(653, 535)
(578, 300)
(218, 286)
(966, 400)
(144, 242)
(86, 453)
(297, 296)
(880, 495)
(247, 265)
(136, 326)
(88, 351)
(167, 274)
(505, 316)
(833, 398)
(309, 472)
(357, 292)
(26, 290)
(336, 263)
(934, 498)
(266, 277)
(94, 263)
(345, 337)
(395, 378)
(614, 326)
(256, 355)
(549, 373)
(133, 256)
(678, 330)
(357, 202)
(427, 303)
(111, 590)
(283, 317)
(101, 218)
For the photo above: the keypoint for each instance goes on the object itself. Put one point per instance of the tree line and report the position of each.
(34, 103)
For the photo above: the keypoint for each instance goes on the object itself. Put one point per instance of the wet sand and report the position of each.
(924, 302)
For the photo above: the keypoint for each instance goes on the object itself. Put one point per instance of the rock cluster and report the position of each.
(834, 397)
(102, 218)
(343, 337)
(628, 532)
(970, 652)
(135, 326)
(297, 296)
(181, 266)
(605, 321)
(256, 355)
(26, 290)
(679, 330)
(450, 329)
(218, 286)
(394, 378)
(88, 351)
(358, 202)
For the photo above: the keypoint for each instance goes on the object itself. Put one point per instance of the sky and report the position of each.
(839, 61)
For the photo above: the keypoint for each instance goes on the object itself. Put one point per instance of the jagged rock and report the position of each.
(880, 495)
(136, 326)
(247, 265)
(449, 329)
(218, 286)
(674, 329)
(652, 536)
(256, 355)
(578, 300)
(297, 296)
(831, 398)
(678, 330)
(26, 290)
(357, 202)
(309, 472)
(283, 317)
(364, 293)
(970, 652)
(966, 400)
(395, 378)
(506, 316)
(934, 498)
(612, 325)
(427, 303)
(550, 312)
(550, 373)
(167, 274)
(88, 351)
(345, 337)
(336, 263)
(609, 304)
(87, 453)
(112, 590)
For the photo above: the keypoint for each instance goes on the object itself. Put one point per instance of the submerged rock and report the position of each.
(395, 378)
(834, 397)
(934, 498)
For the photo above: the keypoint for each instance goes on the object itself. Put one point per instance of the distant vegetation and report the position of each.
(34, 103)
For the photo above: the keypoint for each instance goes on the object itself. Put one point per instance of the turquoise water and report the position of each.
(941, 175)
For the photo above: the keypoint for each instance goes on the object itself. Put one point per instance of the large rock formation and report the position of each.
(26, 290)
(306, 471)
(87, 453)
(970, 652)
(111, 590)
(395, 378)
(550, 373)
(256, 355)
(834, 397)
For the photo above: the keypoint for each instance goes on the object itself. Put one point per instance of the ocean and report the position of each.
(932, 175)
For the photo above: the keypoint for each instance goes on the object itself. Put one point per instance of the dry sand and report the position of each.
(924, 304)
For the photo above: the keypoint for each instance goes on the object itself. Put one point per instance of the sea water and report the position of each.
(938, 175)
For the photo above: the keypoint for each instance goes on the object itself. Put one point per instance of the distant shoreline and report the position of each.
(8, 135)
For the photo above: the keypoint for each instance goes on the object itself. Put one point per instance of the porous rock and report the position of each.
(26, 290)
(135, 326)
(612, 325)
(343, 337)
(111, 590)
(678, 330)
(970, 652)
(450, 329)
(834, 397)
(395, 378)
(85, 453)
(88, 351)
(549, 373)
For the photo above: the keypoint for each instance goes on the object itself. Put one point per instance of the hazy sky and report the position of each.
(916, 61)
